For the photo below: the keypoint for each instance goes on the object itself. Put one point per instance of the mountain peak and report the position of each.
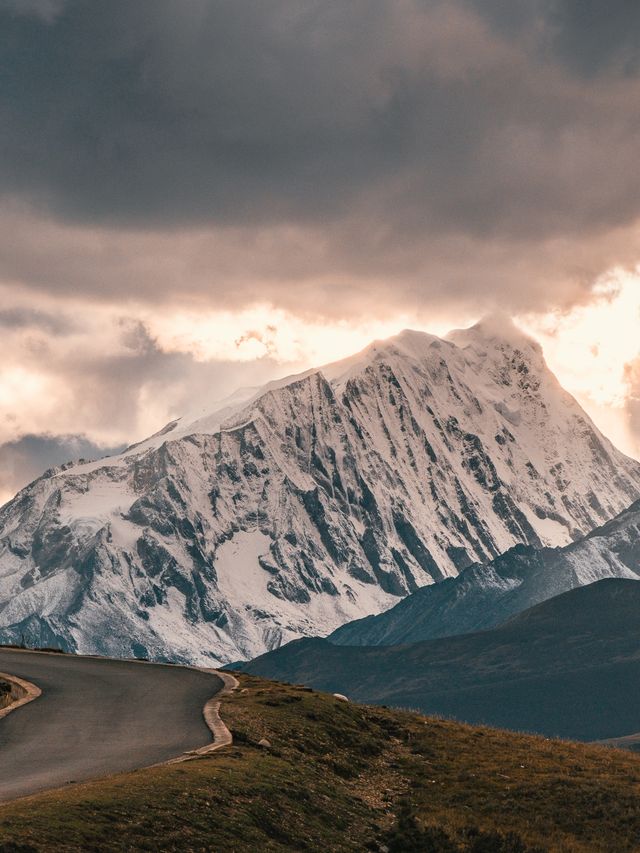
(408, 342)
(318, 499)
(497, 327)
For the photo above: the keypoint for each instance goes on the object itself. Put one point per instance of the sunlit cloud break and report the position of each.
(264, 331)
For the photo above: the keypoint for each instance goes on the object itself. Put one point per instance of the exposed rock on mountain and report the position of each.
(322, 498)
(485, 595)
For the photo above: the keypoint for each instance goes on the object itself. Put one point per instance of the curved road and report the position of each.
(97, 716)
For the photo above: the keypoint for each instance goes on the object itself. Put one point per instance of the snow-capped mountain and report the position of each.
(484, 596)
(318, 499)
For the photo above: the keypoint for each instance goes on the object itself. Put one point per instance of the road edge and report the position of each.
(31, 692)
(211, 713)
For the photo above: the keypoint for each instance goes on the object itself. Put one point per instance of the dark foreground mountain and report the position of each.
(317, 500)
(336, 776)
(569, 667)
(485, 596)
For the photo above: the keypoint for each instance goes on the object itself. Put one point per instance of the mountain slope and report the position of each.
(569, 667)
(484, 596)
(317, 500)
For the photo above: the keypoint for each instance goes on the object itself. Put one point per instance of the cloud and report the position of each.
(345, 271)
(107, 377)
(632, 402)
(595, 37)
(26, 318)
(45, 11)
(167, 167)
(589, 37)
(154, 113)
(22, 460)
(284, 153)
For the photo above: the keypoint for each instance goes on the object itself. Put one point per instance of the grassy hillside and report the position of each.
(568, 667)
(344, 777)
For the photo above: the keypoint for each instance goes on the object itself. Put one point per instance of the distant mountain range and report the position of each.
(569, 667)
(484, 596)
(314, 501)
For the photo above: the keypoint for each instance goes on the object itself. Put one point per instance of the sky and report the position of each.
(200, 195)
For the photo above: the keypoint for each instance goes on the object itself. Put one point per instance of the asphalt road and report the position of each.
(96, 717)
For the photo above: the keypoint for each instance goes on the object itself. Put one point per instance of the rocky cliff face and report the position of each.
(325, 497)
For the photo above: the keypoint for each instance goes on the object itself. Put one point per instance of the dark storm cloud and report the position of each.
(26, 458)
(340, 159)
(43, 10)
(315, 153)
(165, 111)
(161, 112)
(590, 37)
(596, 36)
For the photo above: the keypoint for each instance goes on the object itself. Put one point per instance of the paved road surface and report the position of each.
(97, 717)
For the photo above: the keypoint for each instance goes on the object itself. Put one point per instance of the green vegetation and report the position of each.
(337, 776)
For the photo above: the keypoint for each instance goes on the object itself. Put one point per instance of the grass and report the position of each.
(339, 776)
(5, 694)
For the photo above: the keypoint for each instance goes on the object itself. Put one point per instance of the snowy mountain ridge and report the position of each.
(485, 596)
(316, 500)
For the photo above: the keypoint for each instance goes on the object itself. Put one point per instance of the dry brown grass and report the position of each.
(5, 694)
